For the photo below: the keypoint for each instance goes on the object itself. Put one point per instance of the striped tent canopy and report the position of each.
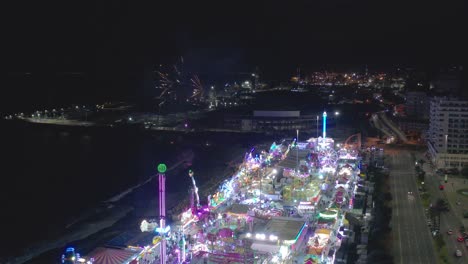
(103, 255)
(311, 259)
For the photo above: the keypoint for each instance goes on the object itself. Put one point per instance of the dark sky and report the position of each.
(115, 43)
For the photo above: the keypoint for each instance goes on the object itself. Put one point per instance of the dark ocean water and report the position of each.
(50, 175)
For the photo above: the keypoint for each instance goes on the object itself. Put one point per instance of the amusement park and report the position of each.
(285, 204)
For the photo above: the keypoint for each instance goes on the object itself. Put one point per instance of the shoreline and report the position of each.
(132, 216)
(136, 199)
(90, 222)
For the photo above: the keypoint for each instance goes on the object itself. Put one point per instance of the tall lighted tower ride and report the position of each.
(162, 211)
(324, 127)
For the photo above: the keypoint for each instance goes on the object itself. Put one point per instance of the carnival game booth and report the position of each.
(348, 157)
(236, 217)
(318, 242)
(231, 258)
(267, 213)
(221, 245)
(313, 159)
(346, 170)
(340, 195)
(305, 208)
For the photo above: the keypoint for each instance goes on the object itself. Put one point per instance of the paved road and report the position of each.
(448, 220)
(411, 236)
(393, 127)
(375, 121)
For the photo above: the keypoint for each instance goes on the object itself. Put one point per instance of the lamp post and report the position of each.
(317, 126)
(261, 182)
(336, 119)
(446, 143)
(297, 150)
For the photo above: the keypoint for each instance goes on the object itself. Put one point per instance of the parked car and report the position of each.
(458, 253)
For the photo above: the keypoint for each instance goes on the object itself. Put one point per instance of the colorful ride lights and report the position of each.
(162, 168)
(148, 225)
(261, 236)
(163, 231)
(273, 237)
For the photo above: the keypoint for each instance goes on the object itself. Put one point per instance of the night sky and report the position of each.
(114, 45)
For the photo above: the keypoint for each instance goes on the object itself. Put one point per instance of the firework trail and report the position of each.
(197, 87)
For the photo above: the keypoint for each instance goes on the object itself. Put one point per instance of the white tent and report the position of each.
(265, 247)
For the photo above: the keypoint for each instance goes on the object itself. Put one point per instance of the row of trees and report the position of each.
(380, 235)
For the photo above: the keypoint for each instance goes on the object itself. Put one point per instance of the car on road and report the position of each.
(460, 239)
(450, 231)
(410, 193)
(458, 253)
(441, 187)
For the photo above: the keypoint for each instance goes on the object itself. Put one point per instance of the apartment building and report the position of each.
(448, 132)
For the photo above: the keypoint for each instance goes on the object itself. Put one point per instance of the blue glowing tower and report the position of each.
(324, 127)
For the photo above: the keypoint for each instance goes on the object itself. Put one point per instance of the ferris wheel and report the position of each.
(328, 157)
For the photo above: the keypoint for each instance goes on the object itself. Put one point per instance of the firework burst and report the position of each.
(178, 84)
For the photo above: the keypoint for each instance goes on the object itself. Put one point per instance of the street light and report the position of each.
(317, 125)
(297, 149)
(446, 141)
(336, 118)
